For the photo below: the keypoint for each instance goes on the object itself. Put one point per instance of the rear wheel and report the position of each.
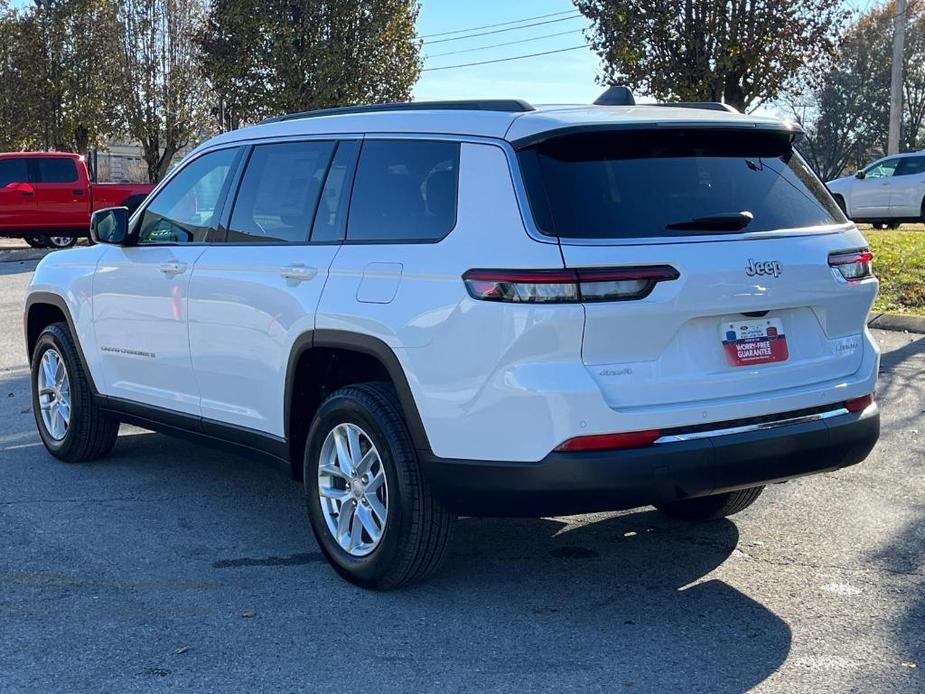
(711, 507)
(370, 507)
(61, 242)
(70, 423)
(36, 241)
(893, 225)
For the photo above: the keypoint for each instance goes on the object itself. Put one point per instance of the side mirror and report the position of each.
(860, 174)
(109, 225)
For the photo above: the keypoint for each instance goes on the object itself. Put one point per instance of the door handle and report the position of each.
(77, 191)
(172, 268)
(27, 193)
(298, 272)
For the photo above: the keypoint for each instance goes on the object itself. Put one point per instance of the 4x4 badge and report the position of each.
(763, 267)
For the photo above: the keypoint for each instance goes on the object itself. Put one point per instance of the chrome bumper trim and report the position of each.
(674, 438)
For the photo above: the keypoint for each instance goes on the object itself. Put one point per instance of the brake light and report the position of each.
(566, 286)
(859, 404)
(606, 442)
(853, 265)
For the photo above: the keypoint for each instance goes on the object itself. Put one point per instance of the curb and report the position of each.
(897, 322)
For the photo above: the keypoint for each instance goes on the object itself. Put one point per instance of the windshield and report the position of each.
(650, 183)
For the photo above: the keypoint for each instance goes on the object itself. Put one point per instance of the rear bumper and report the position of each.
(566, 483)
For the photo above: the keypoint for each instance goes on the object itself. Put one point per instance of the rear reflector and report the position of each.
(566, 286)
(859, 404)
(605, 442)
(853, 265)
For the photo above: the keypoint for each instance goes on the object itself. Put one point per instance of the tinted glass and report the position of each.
(405, 190)
(13, 171)
(279, 192)
(331, 217)
(184, 210)
(56, 170)
(883, 169)
(634, 184)
(910, 166)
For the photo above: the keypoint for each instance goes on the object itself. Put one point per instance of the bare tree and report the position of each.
(165, 96)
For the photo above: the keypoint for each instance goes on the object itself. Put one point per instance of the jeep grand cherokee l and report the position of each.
(478, 308)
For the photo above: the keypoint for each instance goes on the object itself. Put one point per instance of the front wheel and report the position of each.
(713, 507)
(370, 507)
(36, 241)
(70, 423)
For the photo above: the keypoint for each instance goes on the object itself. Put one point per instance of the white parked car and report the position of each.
(478, 308)
(887, 193)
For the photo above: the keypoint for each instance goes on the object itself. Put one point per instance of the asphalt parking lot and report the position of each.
(170, 566)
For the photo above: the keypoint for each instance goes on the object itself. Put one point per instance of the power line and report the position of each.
(501, 31)
(503, 60)
(499, 24)
(507, 43)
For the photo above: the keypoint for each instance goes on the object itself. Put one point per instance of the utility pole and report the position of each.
(896, 80)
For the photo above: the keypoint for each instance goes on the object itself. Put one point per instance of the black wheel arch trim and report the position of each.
(56, 300)
(364, 344)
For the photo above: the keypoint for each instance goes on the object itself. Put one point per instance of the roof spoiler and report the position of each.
(621, 95)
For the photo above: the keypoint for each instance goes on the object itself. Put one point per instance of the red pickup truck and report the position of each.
(47, 197)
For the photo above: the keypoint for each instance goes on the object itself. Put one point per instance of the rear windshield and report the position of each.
(647, 183)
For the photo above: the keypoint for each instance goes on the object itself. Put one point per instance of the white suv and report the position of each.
(887, 193)
(477, 308)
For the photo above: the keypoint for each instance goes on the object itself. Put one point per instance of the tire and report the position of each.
(415, 531)
(713, 507)
(60, 243)
(878, 225)
(89, 434)
(36, 241)
(893, 225)
(923, 210)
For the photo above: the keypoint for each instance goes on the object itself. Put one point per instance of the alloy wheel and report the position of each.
(54, 388)
(61, 241)
(353, 489)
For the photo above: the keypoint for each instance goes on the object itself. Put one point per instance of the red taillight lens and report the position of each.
(853, 265)
(566, 286)
(859, 404)
(604, 442)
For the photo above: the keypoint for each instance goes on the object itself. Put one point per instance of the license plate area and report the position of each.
(749, 341)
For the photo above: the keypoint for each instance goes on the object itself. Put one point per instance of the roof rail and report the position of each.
(702, 105)
(503, 105)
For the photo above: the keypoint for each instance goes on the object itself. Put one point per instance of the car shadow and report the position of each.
(626, 602)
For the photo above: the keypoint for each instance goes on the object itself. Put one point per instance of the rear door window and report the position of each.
(405, 190)
(13, 171)
(911, 166)
(642, 184)
(55, 170)
(279, 192)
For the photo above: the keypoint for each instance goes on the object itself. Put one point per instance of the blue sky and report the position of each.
(564, 77)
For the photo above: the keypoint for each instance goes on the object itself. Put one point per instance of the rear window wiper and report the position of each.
(724, 221)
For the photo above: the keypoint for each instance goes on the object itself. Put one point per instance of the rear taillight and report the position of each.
(566, 286)
(859, 404)
(853, 265)
(608, 442)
